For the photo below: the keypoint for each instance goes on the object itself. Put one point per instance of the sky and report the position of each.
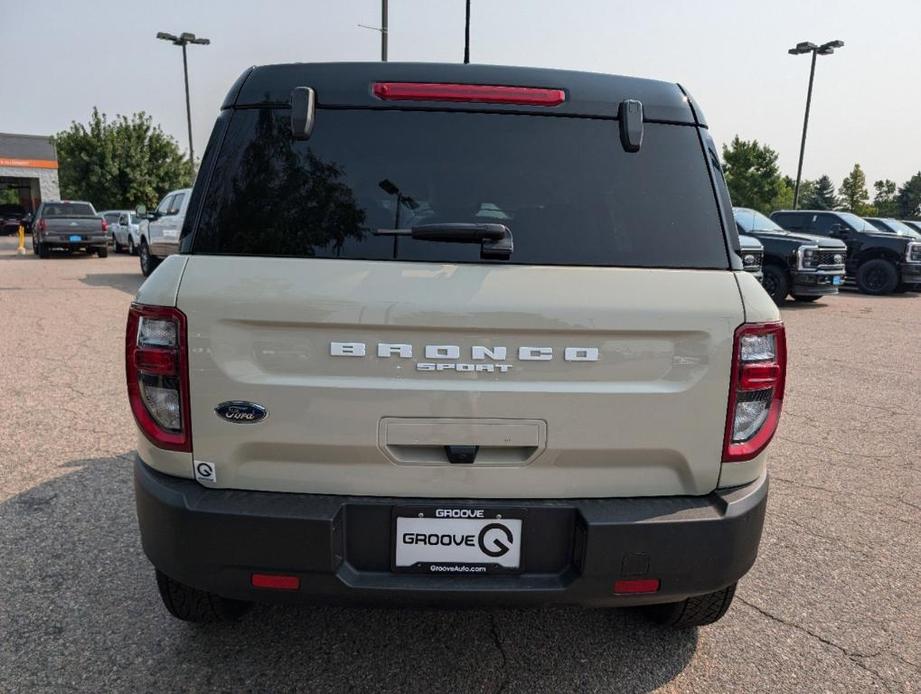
(62, 58)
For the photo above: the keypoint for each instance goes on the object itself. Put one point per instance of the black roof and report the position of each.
(26, 147)
(349, 85)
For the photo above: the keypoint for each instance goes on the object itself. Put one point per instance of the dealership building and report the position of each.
(29, 167)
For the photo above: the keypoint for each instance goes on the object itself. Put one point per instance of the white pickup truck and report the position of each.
(159, 230)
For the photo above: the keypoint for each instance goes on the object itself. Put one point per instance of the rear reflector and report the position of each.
(275, 581)
(479, 93)
(636, 585)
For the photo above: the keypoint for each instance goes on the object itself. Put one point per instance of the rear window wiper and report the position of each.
(495, 240)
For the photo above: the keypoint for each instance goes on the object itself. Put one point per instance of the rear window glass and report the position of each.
(68, 209)
(565, 187)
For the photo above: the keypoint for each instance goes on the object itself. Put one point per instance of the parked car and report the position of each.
(752, 254)
(893, 226)
(126, 232)
(803, 266)
(10, 218)
(394, 399)
(111, 217)
(159, 230)
(879, 262)
(70, 225)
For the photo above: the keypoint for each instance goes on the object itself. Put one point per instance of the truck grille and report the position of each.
(827, 258)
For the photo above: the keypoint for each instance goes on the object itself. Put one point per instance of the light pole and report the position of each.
(382, 28)
(799, 49)
(467, 35)
(183, 40)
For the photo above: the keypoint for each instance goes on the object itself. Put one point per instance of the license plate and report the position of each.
(75, 237)
(837, 279)
(457, 541)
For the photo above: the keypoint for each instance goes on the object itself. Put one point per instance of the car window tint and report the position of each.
(565, 187)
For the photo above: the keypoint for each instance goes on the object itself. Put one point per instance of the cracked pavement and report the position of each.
(831, 605)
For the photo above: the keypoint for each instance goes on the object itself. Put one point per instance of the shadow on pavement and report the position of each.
(123, 281)
(79, 609)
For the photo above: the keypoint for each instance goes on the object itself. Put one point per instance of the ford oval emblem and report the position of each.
(241, 412)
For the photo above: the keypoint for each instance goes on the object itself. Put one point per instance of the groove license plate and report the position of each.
(450, 541)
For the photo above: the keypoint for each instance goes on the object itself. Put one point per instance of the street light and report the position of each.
(184, 39)
(799, 49)
(382, 29)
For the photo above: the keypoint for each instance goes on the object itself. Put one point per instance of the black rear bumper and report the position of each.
(340, 546)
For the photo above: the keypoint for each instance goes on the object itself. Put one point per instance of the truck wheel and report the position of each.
(807, 299)
(776, 283)
(148, 262)
(131, 249)
(697, 611)
(193, 605)
(34, 245)
(43, 250)
(877, 277)
(102, 251)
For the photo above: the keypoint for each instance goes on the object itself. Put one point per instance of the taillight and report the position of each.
(104, 225)
(481, 93)
(42, 225)
(759, 365)
(156, 365)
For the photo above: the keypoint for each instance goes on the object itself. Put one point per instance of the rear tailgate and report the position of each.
(643, 416)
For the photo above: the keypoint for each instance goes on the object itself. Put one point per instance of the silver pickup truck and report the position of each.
(72, 225)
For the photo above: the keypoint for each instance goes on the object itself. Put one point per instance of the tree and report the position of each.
(752, 175)
(119, 163)
(820, 196)
(853, 192)
(909, 197)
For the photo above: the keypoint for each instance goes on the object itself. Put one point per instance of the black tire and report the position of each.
(697, 611)
(807, 299)
(44, 251)
(116, 246)
(131, 249)
(877, 277)
(776, 283)
(102, 251)
(34, 245)
(193, 605)
(148, 262)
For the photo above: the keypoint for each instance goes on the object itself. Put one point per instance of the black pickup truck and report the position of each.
(751, 251)
(803, 266)
(879, 262)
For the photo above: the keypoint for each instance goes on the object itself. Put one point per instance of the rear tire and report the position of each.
(877, 277)
(44, 251)
(807, 299)
(34, 245)
(776, 283)
(131, 249)
(148, 262)
(193, 605)
(103, 251)
(697, 611)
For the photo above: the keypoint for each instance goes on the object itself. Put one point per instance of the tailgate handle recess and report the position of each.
(461, 455)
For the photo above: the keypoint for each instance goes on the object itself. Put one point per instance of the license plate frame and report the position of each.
(457, 520)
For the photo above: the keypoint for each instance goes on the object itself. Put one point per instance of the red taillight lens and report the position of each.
(156, 366)
(480, 93)
(275, 581)
(104, 225)
(636, 585)
(42, 225)
(759, 365)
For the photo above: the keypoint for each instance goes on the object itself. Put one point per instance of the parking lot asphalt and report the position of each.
(831, 605)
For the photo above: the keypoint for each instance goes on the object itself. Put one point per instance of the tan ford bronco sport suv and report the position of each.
(445, 334)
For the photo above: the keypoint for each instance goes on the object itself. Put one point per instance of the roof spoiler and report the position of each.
(303, 108)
